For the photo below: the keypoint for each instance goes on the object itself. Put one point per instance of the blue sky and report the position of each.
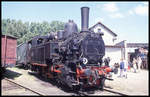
(129, 20)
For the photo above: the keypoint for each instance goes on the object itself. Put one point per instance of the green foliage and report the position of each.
(56, 25)
(25, 31)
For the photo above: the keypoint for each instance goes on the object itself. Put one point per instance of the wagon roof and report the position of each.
(37, 36)
(10, 36)
(21, 44)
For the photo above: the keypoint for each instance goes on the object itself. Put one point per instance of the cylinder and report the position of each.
(84, 19)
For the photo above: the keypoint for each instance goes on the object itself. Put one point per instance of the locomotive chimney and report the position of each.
(84, 19)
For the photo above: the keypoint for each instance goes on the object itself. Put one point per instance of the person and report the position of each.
(116, 66)
(139, 63)
(125, 68)
(121, 67)
(143, 61)
(106, 61)
(129, 66)
(134, 65)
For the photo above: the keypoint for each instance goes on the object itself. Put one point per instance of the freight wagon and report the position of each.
(22, 50)
(8, 51)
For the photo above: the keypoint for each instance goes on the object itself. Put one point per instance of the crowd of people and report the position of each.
(126, 66)
(137, 64)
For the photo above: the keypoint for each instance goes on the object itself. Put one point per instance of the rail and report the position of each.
(23, 86)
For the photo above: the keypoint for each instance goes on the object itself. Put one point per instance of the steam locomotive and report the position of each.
(73, 58)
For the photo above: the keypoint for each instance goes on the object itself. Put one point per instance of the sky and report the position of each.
(129, 20)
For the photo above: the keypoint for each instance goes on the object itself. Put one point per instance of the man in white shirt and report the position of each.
(139, 63)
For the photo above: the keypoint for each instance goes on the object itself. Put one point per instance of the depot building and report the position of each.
(113, 49)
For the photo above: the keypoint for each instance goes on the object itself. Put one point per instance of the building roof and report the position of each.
(137, 45)
(99, 23)
(121, 43)
(132, 45)
(113, 46)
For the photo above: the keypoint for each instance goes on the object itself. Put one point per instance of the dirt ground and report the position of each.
(27, 79)
(135, 84)
(9, 88)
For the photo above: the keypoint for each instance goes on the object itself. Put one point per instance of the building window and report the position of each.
(114, 39)
(100, 32)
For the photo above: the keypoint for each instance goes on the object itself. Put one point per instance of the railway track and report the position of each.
(15, 85)
(78, 93)
(115, 92)
(99, 92)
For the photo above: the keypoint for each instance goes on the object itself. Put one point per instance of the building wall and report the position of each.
(131, 50)
(107, 37)
(115, 54)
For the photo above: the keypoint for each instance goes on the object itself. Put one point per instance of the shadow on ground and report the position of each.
(10, 74)
(64, 88)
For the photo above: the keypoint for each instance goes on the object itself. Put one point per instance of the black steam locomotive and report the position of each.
(73, 58)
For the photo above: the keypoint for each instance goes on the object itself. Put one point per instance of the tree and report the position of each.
(56, 26)
(25, 31)
(45, 28)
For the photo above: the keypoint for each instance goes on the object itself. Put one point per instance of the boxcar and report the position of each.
(8, 51)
